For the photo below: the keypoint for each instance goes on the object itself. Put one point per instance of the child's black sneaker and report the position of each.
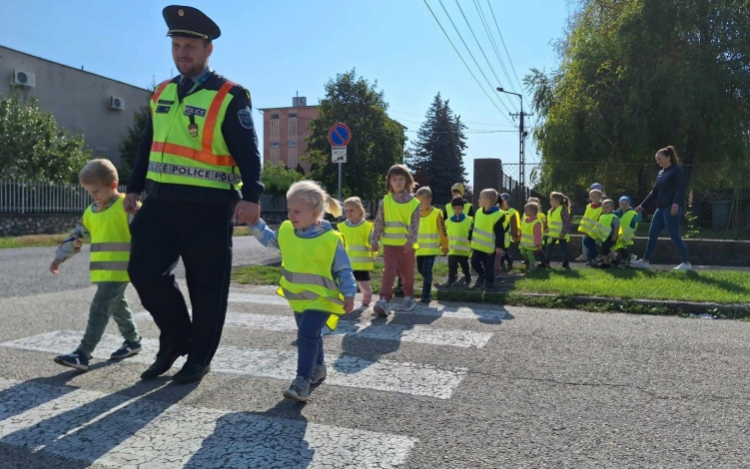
(566, 265)
(426, 299)
(128, 349)
(490, 287)
(450, 283)
(77, 360)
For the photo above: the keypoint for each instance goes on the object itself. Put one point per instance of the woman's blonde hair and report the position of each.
(312, 193)
(99, 171)
(358, 202)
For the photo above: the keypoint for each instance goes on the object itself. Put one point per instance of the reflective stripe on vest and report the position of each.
(397, 220)
(555, 223)
(358, 247)
(458, 237)
(483, 237)
(588, 222)
(603, 228)
(110, 243)
(188, 146)
(429, 236)
(527, 233)
(306, 281)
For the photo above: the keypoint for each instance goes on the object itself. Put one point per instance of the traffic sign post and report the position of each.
(339, 137)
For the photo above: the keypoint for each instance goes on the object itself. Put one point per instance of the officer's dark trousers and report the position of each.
(201, 234)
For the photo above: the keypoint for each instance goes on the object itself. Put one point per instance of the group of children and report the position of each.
(323, 267)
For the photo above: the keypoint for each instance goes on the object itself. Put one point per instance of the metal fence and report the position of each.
(45, 197)
(717, 199)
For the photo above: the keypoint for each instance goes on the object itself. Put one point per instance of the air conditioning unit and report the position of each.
(21, 78)
(116, 103)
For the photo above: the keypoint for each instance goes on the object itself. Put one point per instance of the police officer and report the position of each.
(198, 150)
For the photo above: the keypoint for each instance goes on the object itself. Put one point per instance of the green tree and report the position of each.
(437, 154)
(376, 144)
(34, 147)
(636, 75)
(131, 142)
(278, 179)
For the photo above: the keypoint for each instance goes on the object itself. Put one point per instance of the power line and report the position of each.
(470, 131)
(486, 23)
(481, 49)
(465, 122)
(467, 65)
(497, 25)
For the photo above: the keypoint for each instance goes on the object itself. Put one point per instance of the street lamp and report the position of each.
(522, 138)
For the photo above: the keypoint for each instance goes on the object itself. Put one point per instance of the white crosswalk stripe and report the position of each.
(141, 433)
(392, 332)
(344, 370)
(440, 311)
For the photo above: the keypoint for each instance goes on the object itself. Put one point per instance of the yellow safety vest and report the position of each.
(527, 233)
(603, 227)
(458, 237)
(627, 233)
(555, 223)
(397, 220)
(188, 147)
(429, 235)
(110, 243)
(588, 222)
(483, 236)
(306, 279)
(358, 247)
(449, 209)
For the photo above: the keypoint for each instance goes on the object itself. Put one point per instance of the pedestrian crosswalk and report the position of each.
(118, 430)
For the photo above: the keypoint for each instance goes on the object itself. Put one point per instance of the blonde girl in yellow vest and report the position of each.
(397, 227)
(357, 232)
(316, 277)
(106, 225)
(558, 223)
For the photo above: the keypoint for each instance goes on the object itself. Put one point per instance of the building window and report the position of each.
(293, 116)
(292, 144)
(274, 144)
(274, 116)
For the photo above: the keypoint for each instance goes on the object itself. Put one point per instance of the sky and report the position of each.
(278, 48)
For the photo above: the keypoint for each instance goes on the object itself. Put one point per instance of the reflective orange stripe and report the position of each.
(187, 152)
(213, 115)
(160, 90)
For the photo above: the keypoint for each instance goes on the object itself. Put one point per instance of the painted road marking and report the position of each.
(125, 432)
(344, 370)
(391, 332)
(440, 310)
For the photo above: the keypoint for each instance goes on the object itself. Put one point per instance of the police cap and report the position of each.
(190, 22)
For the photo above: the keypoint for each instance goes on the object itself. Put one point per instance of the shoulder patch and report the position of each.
(246, 120)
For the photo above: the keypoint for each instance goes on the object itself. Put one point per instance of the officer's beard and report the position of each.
(191, 70)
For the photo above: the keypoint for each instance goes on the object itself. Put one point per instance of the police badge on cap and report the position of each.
(190, 22)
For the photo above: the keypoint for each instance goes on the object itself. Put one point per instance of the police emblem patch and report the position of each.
(246, 120)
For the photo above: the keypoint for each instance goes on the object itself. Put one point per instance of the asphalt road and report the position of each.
(447, 386)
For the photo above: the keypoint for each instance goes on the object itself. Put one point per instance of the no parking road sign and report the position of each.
(339, 135)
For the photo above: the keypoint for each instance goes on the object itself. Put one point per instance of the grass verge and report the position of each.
(30, 241)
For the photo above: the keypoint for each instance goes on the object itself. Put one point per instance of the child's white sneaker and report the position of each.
(408, 304)
(640, 264)
(581, 258)
(381, 308)
(684, 266)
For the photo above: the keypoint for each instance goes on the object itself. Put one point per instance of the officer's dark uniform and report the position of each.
(192, 222)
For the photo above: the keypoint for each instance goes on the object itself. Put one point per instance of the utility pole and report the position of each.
(521, 144)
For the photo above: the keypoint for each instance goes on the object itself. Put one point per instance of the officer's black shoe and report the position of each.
(190, 373)
(164, 361)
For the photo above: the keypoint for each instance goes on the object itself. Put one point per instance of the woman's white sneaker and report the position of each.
(684, 266)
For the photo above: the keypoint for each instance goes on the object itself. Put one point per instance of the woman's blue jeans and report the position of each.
(663, 219)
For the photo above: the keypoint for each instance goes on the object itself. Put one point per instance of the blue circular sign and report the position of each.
(339, 135)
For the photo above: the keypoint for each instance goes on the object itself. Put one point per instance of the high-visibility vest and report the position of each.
(429, 235)
(458, 237)
(306, 278)
(588, 222)
(449, 209)
(603, 227)
(397, 220)
(527, 233)
(483, 236)
(626, 232)
(358, 247)
(555, 223)
(110, 243)
(188, 147)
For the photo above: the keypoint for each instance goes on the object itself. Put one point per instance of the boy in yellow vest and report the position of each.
(457, 190)
(514, 221)
(106, 225)
(606, 232)
(629, 220)
(488, 239)
(458, 227)
(432, 239)
(588, 223)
